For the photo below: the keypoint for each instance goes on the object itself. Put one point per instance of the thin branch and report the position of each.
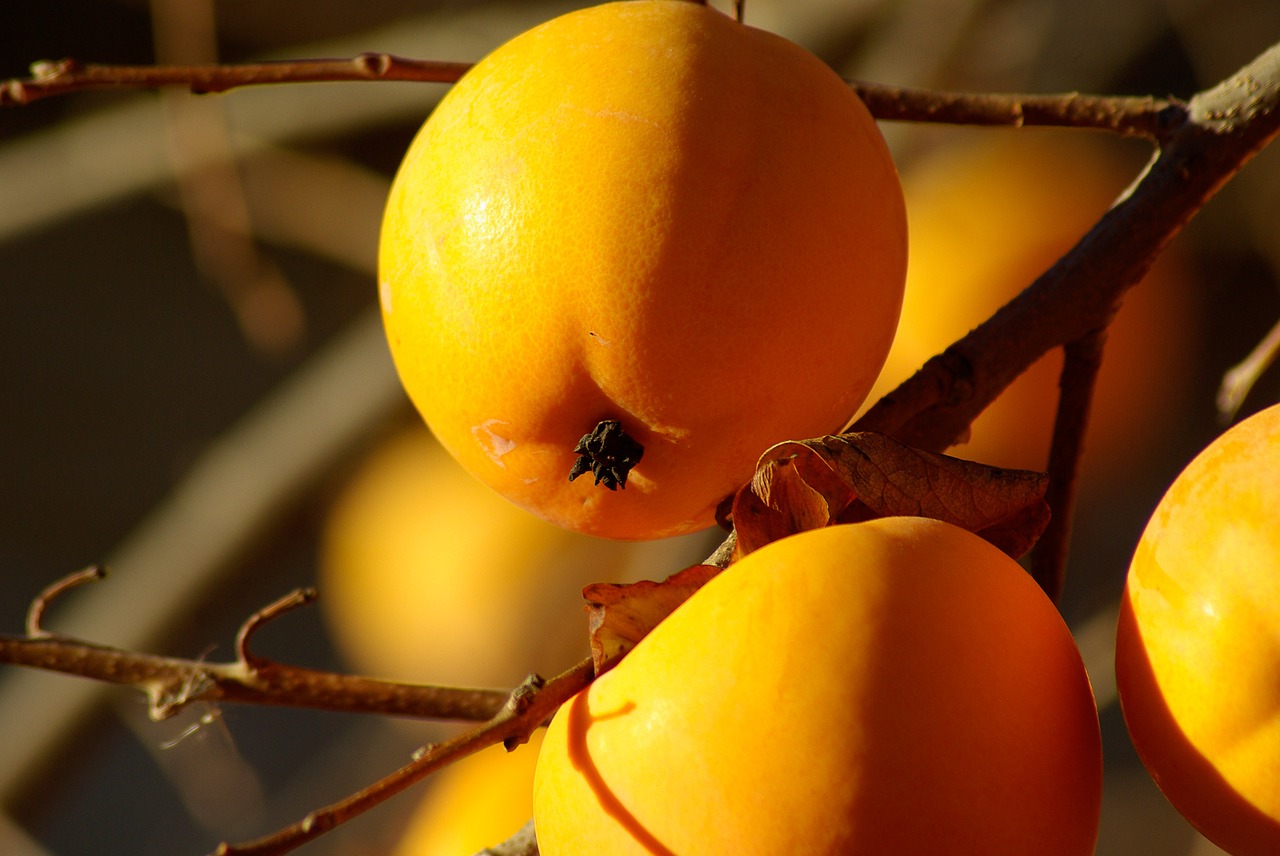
(172, 683)
(270, 612)
(1148, 117)
(61, 77)
(1152, 118)
(528, 708)
(1226, 127)
(1239, 380)
(1082, 359)
(265, 463)
(40, 605)
(211, 191)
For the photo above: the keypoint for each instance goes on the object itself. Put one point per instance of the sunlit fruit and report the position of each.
(640, 243)
(473, 804)
(894, 687)
(426, 575)
(990, 214)
(1198, 643)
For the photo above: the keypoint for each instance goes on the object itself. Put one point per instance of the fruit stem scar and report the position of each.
(609, 452)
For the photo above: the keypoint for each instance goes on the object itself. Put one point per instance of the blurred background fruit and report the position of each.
(476, 803)
(427, 575)
(987, 216)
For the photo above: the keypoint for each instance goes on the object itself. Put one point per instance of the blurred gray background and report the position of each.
(190, 366)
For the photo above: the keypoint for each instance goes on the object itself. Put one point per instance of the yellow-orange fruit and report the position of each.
(1198, 641)
(473, 804)
(648, 213)
(988, 216)
(898, 686)
(426, 575)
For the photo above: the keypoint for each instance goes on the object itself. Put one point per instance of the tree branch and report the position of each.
(528, 708)
(1238, 380)
(61, 77)
(171, 683)
(1152, 118)
(1128, 116)
(1224, 128)
(1081, 361)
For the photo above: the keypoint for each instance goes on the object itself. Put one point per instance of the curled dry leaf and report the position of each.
(808, 484)
(619, 616)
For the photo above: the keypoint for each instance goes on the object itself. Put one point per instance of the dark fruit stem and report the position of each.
(609, 452)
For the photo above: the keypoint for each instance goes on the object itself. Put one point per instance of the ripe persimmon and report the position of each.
(898, 686)
(1198, 641)
(640, 243)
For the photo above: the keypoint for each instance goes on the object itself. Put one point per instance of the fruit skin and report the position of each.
(891, 687)
(425, 575)
(987, 216)
(641, 211)
(1198, 640)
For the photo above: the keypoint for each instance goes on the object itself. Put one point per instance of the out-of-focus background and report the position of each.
(194, 388)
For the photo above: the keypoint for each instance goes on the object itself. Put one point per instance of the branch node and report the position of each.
(47, 69)
(164, 699)
(270, 612)
(373, 64)
(35, 614)
(423, 751)
(523, 695)
(519, 702)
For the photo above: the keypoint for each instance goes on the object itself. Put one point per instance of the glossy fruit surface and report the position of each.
(987, 216)
(649, 213)
(891, 687)
(1198, 643)
(426, 575)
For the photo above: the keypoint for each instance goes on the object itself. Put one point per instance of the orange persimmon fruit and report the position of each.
(898, 686)
(1198, 640)
(649, 223)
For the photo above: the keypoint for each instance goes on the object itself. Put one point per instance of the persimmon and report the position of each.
(987, 216)
(640, 243)
(897, 686)
(1198, 640)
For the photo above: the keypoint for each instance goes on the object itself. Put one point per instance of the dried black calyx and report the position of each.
(608, 452)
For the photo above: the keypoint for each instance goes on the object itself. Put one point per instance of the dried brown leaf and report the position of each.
(620, 615)
(849, 477)
(789, 493)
